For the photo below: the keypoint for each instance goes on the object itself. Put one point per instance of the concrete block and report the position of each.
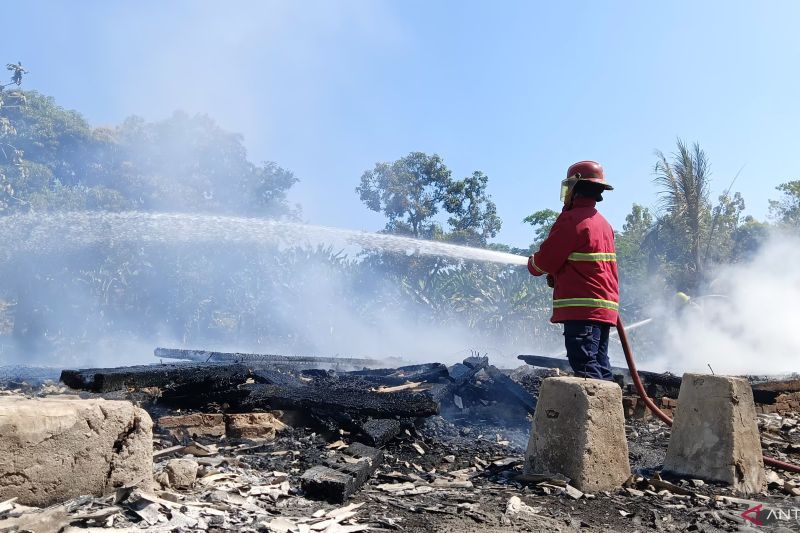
(53, 449)
(579, 431)
(715, 433)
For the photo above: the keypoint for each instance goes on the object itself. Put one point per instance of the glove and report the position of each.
(551, 281)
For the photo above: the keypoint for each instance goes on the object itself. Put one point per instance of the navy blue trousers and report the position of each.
(587, 348)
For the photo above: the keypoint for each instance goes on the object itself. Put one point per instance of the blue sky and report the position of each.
(518, 90)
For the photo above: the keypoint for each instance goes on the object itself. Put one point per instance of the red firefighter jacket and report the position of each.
(579, 253)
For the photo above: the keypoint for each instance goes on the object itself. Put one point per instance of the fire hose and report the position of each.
(623, 338)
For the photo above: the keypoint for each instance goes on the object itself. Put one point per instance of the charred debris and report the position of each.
(277, 443)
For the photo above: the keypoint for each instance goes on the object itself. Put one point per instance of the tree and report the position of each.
(11, 162)
(189, 163)
(725, 223)
(685, 185)
(543, 222)
(183, 163)
(633, 260)
(409, 192)
(786, 211)
(748, 238)
(473, 217)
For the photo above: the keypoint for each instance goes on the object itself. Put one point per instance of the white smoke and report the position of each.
(748, 322)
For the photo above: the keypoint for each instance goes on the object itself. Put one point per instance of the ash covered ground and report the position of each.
(461, 470)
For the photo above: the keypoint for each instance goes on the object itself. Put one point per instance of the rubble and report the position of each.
(181, 473)
(715, 434)
(55, 448)
(461, 470)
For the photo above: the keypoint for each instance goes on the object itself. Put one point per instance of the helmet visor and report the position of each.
(565, 189)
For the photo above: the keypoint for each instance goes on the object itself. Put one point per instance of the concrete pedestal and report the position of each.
(579, 431)
(53, 449)
(715, 433)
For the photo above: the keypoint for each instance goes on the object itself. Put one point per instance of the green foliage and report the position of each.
(691, 235)
(473, 217)
(409, 192)
(183, 163)
(725, 223)
(685, 185)
(786, 210)
(543, 221)
(748, 238)
(632, 259)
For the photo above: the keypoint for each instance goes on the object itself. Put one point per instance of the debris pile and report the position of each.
(263, 444)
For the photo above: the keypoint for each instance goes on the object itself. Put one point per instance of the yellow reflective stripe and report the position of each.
(537, 267)
(602, 256)
(585, 302)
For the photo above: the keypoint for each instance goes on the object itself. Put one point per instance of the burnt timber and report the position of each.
(292, 361)
(332, 395)
(201, 376)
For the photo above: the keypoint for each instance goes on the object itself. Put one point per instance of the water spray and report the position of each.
(34, 232)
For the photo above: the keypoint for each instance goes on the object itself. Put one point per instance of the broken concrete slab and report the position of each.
(579, 431)
(715, 433)
(53, 449)
(253, 425)
(193, 425)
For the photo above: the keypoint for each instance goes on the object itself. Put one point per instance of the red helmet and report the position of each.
(589, 171)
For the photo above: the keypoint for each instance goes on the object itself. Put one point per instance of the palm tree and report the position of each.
(685, 187)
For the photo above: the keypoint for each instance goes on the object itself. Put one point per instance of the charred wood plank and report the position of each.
(666, 380)
(380, 431)
(546, 362)
(186, 376)
(293, 361)
(520, 395)
(428, 373)
(324, 483)
(338, 478)
(780, 386)
(462, 373)
(276, 376)
(331, 395)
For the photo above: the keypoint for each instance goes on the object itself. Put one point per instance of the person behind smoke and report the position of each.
(580, 263)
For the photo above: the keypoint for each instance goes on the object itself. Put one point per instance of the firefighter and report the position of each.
(580, 262)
